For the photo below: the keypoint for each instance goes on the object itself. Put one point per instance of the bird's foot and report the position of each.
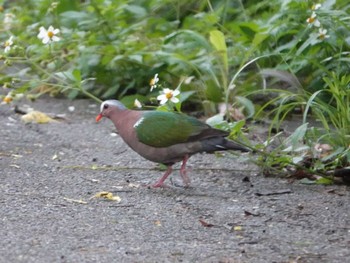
(185, 179)
(160, 182)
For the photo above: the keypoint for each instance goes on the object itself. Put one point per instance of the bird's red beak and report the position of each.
(99, 117)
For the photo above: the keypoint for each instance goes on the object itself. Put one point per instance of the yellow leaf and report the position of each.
(237, 228)
(157, 223)
(36, 116)
(108, 196)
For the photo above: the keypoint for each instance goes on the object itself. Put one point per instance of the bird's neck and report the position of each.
(123, 118)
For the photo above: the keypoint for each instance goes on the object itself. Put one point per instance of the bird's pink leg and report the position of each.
(160, 182)
(183, 172)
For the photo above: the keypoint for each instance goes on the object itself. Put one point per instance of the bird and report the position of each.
(166, 137)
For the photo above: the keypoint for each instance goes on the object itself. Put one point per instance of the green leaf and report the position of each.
(307, 181)
(333, 154)
(129, 100)
(197, 38)
(248, 105)
(217, 39)
(65, 75)
(77, 75)
(73, 94)
(213, 92)
(215, 120)
(324, 181)
(136, 10)
(259, 38)
(297, 136)
(73, 18)
(185, 95)
(236, 128)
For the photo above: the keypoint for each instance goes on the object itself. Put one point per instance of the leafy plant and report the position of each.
(263, 59)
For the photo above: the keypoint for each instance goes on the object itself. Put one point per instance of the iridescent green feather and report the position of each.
(163, 129)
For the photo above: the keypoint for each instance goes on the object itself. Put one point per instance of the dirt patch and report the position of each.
(49, 172)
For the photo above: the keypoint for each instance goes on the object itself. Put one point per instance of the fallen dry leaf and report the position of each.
(75, 201)
(131, 185)
(16, 156)
(108, 196)
(248, 213)
(237, 228)
(205, 224)
(37, 117)
(157, 223)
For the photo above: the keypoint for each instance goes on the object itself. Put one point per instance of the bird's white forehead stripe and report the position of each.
(138, 122)
(101, 108)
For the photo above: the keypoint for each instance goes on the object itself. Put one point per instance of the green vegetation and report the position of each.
(265, 59)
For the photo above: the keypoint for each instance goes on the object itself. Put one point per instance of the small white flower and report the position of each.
(322, 34)
(8, 43)
(312, 20)
(8, 20)
(188, 80)
(168, 94)
(48, 36)
(316, 6)
(154, 81)
(137, 104)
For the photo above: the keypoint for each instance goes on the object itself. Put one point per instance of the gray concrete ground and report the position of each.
(49, 172)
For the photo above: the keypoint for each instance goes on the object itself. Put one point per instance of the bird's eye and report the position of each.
(105, 106)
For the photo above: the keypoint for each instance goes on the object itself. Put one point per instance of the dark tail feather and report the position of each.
(231, 145)
(222, 144)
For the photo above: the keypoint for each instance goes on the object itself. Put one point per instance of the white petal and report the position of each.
(316, 6)
(137, 104)
(161, 97)
(51, 28)
(7, 49)
(46, 40)
(176, 92)
(317, 23)
(56, 31)
(163, 101)
(55, 39)
(166, 90)
(42, 33)
(174, 99)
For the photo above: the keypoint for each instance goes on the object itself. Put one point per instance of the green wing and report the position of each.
(163, 129)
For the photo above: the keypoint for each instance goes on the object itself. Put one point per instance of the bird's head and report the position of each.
(109, 107)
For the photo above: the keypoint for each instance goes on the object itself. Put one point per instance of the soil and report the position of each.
(231, 213)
